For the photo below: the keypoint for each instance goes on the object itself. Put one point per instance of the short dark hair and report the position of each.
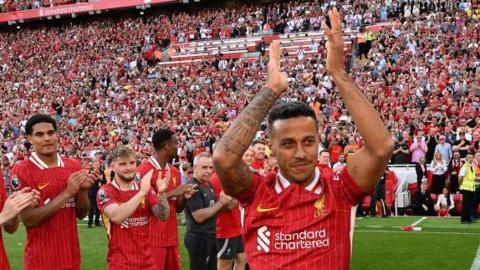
(37, 119)
(255, 142)
(160, 138)
(287, 110)
(323, 151)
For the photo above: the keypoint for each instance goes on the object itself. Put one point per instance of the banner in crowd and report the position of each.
(76, 9)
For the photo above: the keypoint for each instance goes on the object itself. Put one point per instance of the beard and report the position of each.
(126, 178)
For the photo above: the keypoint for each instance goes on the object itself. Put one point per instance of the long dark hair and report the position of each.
(449, 202)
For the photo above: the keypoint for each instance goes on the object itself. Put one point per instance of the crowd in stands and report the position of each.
(15, 5)
(422, 75)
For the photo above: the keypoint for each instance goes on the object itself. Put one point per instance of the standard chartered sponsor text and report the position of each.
(66, 10)
(302, 240)
(137, 221)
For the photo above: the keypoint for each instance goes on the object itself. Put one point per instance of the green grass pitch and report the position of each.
(378, 244)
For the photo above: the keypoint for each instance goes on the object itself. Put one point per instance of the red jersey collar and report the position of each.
(42, 165)
(156, 165)
(281, 183)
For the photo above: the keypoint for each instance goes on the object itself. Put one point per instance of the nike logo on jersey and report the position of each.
(263, 210)
(43, 186)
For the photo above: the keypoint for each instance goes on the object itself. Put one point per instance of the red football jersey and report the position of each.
(163, 233)
(128, 248)
(53, 244)
(291, 227)
(228, 222)
(258, 164)
(3, 197)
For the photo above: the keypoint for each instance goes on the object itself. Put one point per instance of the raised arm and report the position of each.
(368, 164)
(233, 173)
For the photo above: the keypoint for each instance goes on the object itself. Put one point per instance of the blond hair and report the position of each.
(120, 152)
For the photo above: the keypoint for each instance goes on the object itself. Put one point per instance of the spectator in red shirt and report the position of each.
(335, 150)
(259, 155)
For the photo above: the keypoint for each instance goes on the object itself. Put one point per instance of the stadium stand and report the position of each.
(111, 80)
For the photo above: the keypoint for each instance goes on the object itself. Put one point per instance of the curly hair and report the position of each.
(120, 152)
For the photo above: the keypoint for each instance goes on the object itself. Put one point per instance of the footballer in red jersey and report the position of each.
(164, 234)
(298, 218)
(127, 206)
(52, 237)
(10, 207)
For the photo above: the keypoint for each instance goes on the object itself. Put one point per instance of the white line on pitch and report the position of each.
(423, 232)
(418, 221)
(476, 260)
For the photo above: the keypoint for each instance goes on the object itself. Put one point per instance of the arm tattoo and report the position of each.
(162, 207)
(240, 134)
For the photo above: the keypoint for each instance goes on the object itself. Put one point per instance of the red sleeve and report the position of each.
(151, 198)
(141, 171)
(3, 192)
(18, 180)
(105, 197)
(175, 175)
(77, 165)
(246, 197)
(348, 188)
(217, 188)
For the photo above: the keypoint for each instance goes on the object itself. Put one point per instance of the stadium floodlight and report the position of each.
(18, 27)
(74, 15)
(98, 11)
(21, 21)
(57, 16)
(91, 12)
(49, 17)
(141, 12)
(148, 6)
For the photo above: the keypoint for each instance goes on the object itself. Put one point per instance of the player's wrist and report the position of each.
(273, 88)
(144, 192)
(3, 219)
(67, 194)
(339, 74)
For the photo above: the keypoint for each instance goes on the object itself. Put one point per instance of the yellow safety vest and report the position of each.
(468, 182)
(369, 36)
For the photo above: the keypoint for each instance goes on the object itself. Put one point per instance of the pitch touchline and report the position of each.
(476, 260)
(423, 232)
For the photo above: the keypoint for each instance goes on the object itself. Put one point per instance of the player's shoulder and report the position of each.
(145, 166)
(106, 193)
(109, 187)
(22, 165)
(21, 170)
(173, 169)
(268, 179)
(70, 162)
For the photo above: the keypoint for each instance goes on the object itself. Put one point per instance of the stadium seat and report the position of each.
(429, 179)
(366, 203)
(412, 188)
(390, 189)
(457, 199)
